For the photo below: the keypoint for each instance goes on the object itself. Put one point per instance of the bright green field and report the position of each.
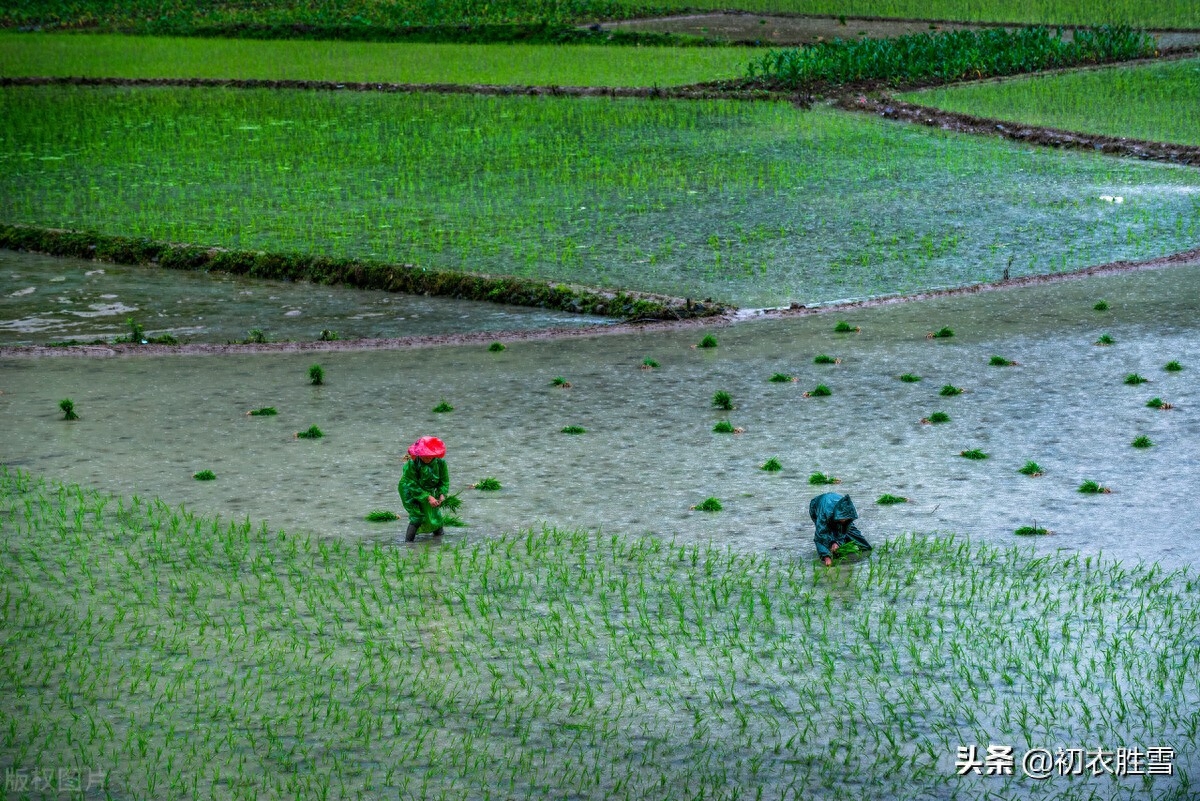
(1165, 14)
(184, 657)
(1158, 102)
(541, 65)
(753, 203)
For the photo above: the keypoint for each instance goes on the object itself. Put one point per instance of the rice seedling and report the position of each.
(973, 453)
(137, 332)
(1133, 379)
(910, 378)
(826, 359)
(1031, 468)
(942, 333)
(574, 430)
(1000, 361)
(819, 391)
(1173, 366)
(328, 335)
(1159, 403)
(936, 418)
(255, 336)
(312, 432)
(724, 427)
(1101, 305)
(782, 378)
(707, 341)
(843, 327)
(1105, 339)
(949, 391)
(559, 381)
(495, 347)
(649, 364)
(708, 505)
(1090, 487)
(722, 400)
(772, 465)
(205, 475)
(817, 479)
(381, 516)
(887, 499)
(1142, 441)
(442, 408)
(316, 375)
(488, 484)
(1031, 531)
(67, 406)
(266, 411)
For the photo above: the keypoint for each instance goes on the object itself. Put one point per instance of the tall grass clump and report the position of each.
(1030, 468)
(1173, 366)
(707, 341)
(67, 407)
(772, 465)
(722, 400)
(316, 375)
(947, 56)
(312, 432)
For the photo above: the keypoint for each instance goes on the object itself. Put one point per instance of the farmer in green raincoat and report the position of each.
(834, 517)
(423, 486)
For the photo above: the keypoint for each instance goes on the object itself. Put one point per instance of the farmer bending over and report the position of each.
(423, 486)
(834, 517)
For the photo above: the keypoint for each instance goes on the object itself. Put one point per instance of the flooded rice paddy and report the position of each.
(46, 299)
(649, 452)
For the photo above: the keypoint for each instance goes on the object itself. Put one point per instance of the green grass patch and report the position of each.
(365, 62)
(312, 432)
(1140, 102)
(205, 475)
(973, 453)
(537, 645)
(772, 465)
(579, 190)
(887, 499)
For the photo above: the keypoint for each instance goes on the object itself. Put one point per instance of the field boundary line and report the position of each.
(893, 109)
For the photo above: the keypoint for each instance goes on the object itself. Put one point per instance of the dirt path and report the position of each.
(1189, 257)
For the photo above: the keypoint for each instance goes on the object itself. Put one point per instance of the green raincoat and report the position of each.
(417, 483)
(834, 517)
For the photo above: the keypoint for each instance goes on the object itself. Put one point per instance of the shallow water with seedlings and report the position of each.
(649, 453)
(47, 299)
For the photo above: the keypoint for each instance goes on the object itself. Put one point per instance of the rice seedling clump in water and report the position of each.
(708, 505)
(495, 347)
(723, 427)
(488, 484)
(844, 327)
(937, 418)
(1159, 403)
(266, 411)
(974, 453)
(328, 336)
(1090, 487)
(910, 378)
(312, 432)
(1142, 442)
(949, 391)
(1101, 305)
(781, 378)
(574, 430)
(1105, 339)
(649, 364)
(68, 409)
(1031, 468)
(817, 479)
(255, 336)
(204, 475)
(1031, 531)
(722, 400)
(559, 381)
(826, 359)
(942, 333)
(316, 374)
(887, 499)
(442, 408)
(381, 516)
(708, 341)
(1133, 379)
(819, 391)
(1000, 361)
(772, 465)
(1172, 366)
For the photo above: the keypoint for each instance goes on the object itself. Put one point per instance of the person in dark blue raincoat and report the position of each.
(834, 517)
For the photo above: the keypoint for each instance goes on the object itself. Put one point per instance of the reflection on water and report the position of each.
(47, 299)
(649, 453)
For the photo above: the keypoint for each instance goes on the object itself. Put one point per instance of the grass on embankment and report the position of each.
(109, 56)
(193, 657)
(1148, 101)
(746, 203)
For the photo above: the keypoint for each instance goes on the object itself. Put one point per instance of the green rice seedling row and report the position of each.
(1142, 102)
(110, 56)
(756, 204)
(179, 655)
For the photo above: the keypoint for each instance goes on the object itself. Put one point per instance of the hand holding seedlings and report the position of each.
(834, 516)
(423, 486)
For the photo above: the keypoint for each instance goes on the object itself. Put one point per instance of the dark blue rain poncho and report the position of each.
(834, 517)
